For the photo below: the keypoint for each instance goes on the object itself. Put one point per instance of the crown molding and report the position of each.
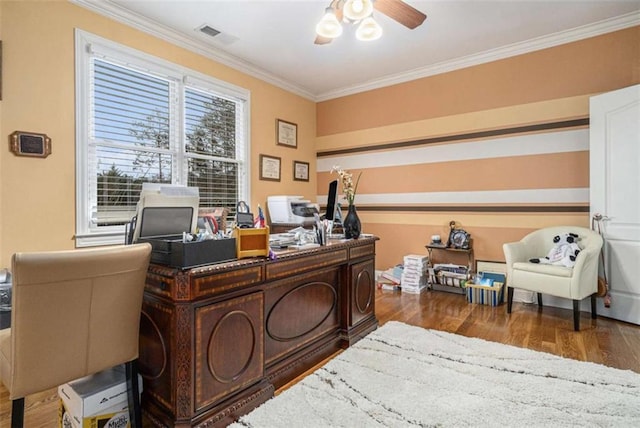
(117, 13)
(146, 25)
(586, 31)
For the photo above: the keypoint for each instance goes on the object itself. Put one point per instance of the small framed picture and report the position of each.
(300, 171)
(286, 133)
(269, 168)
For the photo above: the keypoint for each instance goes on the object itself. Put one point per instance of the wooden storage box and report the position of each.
(251, 242)
(492, 295)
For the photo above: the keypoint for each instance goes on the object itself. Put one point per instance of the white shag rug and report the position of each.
(405, 376)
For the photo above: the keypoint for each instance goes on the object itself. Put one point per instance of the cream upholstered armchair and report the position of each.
(74, 313)
(574, 283)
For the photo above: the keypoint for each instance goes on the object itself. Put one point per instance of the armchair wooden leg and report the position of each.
(17, 413)
(594, 313)
(509, 299)
(539, 299)
(576, 315)
(133, 394)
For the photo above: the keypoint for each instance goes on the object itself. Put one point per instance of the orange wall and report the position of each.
(37, 196)
(370, 132)
(589, 66)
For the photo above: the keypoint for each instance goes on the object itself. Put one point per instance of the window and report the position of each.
(141, 119)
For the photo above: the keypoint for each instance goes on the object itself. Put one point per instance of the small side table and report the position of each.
(468, 252)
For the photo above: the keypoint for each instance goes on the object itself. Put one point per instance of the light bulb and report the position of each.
(329, 26)
(356, 10)
(368, 30)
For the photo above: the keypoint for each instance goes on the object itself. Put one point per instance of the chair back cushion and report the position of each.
(74, 313)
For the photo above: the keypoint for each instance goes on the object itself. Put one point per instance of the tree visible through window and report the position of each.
(152, 127)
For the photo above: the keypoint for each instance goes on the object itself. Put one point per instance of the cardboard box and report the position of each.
(113, 417)
(485, 294)
(95, 399)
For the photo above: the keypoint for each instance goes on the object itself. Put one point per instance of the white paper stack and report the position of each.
(414, 275)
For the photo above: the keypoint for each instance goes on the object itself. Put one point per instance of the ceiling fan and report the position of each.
(361, 11)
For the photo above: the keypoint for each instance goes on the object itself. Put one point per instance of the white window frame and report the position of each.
(88, 46)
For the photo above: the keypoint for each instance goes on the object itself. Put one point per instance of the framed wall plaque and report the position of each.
(286, 133)
(30, 144)
(269, 168)
(300, 171)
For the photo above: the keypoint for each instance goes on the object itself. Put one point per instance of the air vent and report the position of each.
(209, 31)
(217, 37)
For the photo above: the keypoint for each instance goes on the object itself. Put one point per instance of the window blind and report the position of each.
(142, 119)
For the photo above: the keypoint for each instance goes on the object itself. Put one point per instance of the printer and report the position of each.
(291, 209)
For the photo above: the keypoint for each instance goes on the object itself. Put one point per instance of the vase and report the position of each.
(351, 224)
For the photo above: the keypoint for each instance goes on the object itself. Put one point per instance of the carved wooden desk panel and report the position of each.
(216, 341)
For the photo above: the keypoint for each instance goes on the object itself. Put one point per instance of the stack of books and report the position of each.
(390, 279)
(414, 275)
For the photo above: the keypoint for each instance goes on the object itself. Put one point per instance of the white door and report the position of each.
(615, 193)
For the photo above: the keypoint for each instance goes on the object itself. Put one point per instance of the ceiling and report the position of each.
(273, 40)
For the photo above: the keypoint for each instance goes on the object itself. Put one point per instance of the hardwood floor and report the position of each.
(603, 341)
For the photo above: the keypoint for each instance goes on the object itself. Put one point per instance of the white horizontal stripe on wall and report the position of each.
(530, 196)
(520, 145)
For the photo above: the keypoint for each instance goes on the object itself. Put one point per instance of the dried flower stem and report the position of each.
(348, 187)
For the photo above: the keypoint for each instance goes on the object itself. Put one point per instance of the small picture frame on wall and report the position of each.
(300, 171)
(32, 144)
(286, 133)
(269, 168)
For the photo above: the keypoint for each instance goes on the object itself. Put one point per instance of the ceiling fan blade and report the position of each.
(406, 15)
(322, 40)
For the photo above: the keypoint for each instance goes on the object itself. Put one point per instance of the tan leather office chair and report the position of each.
(574, 283)
(74, 313)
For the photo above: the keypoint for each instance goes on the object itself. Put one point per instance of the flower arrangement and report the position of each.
(346, 178)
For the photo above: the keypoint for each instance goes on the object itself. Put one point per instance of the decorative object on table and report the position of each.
(436, 240)
(351, 224)
(300, 171)
(243, 207)
(436, 378)
(259, 220)
(286, 133)
(269, 168)
(458, 238)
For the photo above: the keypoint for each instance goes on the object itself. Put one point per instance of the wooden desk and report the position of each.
(216, 341)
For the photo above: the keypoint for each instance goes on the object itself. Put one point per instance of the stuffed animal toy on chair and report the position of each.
(563, 253)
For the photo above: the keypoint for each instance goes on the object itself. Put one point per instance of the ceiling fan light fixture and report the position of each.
(356, 10)
(368, 30)
(329, 26)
